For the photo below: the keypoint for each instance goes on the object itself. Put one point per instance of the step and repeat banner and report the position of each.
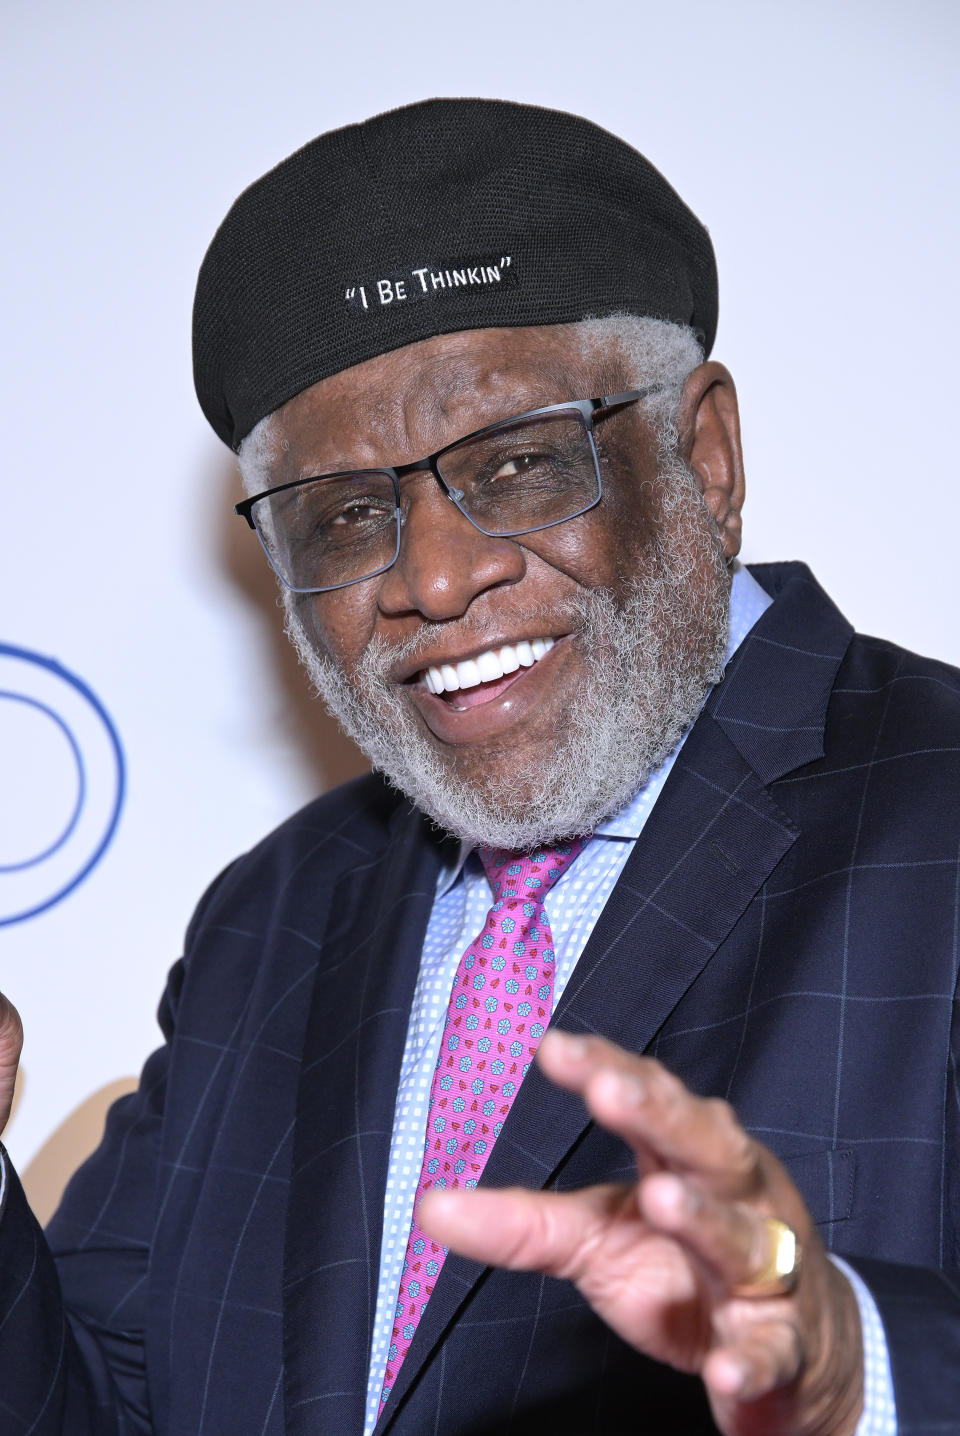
(152, 721)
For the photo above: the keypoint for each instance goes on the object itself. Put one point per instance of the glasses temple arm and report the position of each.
(617, 401)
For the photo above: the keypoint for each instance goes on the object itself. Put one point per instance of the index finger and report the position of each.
(649, 1108)
(11, 1042)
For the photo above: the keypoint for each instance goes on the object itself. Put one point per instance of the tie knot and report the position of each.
(528, 875)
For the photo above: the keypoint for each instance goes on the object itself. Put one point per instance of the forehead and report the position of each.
(402, 405)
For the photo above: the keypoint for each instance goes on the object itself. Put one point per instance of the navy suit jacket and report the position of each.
(785, 935)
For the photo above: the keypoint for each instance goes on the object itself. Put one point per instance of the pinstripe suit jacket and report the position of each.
(785, 934)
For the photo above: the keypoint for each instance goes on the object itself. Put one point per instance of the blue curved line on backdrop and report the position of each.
(52, 666)
(74, 818)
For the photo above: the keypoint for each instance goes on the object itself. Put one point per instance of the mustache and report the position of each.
(382, 656)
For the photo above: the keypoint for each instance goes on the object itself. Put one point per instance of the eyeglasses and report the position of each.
(515, 477)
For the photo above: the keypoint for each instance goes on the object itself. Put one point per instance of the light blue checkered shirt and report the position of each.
(460, 910)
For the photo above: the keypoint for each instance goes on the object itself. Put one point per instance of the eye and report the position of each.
(519, 464)
(358, 513)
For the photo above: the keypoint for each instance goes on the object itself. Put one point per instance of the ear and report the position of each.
(708, 425)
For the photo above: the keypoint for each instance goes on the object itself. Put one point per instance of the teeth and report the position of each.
(495, 663)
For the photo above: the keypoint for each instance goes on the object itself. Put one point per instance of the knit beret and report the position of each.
(440, 216)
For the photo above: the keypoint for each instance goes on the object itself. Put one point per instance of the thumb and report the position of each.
(11, 1041)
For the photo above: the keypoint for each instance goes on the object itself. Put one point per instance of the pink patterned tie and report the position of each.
(500, 1004)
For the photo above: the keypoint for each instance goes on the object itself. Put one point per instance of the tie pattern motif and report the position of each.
(500, 1005)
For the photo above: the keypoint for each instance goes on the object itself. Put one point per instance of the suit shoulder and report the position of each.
(874, 665)
(347, 826)
(364, 805)
(893, 734)
(351, 821)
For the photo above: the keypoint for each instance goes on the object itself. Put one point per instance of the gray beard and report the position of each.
(651, 658)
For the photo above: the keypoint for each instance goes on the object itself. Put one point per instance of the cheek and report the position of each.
(634, 521)
(341, 623)
(603, 547)
(606, 546)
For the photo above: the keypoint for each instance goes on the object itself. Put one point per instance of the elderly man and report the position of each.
(674, 811)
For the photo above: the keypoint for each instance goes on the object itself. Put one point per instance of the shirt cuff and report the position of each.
(879, 1404)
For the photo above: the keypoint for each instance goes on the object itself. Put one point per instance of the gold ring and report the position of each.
(779, 1274)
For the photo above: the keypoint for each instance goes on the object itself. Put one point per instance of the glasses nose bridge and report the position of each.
(430, 465)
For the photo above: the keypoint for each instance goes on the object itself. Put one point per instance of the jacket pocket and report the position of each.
(826, 1181)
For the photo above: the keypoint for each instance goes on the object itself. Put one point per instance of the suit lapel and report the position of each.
(772, 702)
(710, 843)
(348, 1081)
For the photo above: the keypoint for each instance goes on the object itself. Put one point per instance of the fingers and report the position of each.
(767, 1358)
(651, 1109)
(522, 1230)
(558, 1233)
(731, 1239)
(660, 1260)
(11, 1042)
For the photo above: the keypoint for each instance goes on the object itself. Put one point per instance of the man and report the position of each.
(719, 832)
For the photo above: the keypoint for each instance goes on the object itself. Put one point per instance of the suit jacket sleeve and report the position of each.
(920, 1306)
(73, 1301)
(72, 1341)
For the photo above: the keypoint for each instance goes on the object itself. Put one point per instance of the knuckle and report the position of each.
(532, 1236)
(796, 1350)
(787, 1353)
(543, 1243)
(672, 1097)
(724, 1121)
(720, 1111)
(543, 1234)
(11, 1031)
(740, 1150)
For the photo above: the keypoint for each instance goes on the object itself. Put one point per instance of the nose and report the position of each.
(444, 562)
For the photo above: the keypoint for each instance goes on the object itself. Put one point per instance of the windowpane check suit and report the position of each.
(784, 934)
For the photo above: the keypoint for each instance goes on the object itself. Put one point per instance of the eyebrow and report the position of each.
(561, 382)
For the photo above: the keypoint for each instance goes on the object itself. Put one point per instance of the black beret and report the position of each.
(441, 216)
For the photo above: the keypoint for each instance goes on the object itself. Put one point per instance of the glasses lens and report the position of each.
(525, 474)
(331, 531)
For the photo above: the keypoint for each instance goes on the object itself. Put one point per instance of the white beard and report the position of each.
(650, 658)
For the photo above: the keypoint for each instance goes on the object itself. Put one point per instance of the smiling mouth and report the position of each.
(486, 672)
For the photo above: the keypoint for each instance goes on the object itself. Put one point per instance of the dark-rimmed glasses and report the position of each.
(514, 477)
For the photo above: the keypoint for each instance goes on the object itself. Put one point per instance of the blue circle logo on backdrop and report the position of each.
(62, 781)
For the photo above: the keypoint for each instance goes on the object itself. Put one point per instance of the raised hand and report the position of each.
(665, 1260)
(11, 1041)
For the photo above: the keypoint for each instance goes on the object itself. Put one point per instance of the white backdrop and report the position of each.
(816, 140)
